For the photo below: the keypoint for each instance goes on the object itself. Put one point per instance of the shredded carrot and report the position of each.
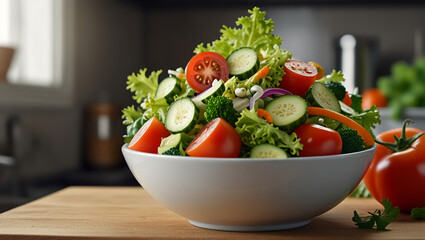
(264, 114)
(367, 138)
(260, 74)
(181, 75)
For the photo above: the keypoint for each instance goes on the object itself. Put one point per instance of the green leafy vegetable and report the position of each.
(175, 151)
(356, 102)
(130, 114)
(337, 89)
(335, 77)
(254, 32)
(221, 107)
(361, 191)
(405, 86)
(378, 218)
(254, 130)
(418, 213)
(133, 128)
(351, 140)
(368, 119)
(155, 107)
(141, 85)
(275, 59)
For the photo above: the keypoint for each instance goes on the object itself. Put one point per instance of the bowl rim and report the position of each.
(125, 148)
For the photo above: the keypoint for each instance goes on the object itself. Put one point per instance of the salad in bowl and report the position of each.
(243, 135)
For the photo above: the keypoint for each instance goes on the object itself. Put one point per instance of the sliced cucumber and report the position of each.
(182, 116)
(243, 62)
(318, 95)
(168, 88)
(217, 89)
(288, 111)
(347, 109)
(180, 140)
(266, 150)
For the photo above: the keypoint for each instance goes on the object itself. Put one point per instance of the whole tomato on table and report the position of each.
(397, 171)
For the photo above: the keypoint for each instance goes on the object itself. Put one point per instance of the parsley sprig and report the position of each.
(418, 213)
(378, 218)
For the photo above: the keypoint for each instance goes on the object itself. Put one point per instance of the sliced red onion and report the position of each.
(272, 91)
(258, 93)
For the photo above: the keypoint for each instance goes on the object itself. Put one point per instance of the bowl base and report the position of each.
(259, 228)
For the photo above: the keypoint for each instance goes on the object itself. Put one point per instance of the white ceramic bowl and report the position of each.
(248, 194)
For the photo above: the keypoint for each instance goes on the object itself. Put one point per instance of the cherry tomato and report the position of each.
(149, 137)
(216, 139)
(373, 97)
(398, 175)
(347, 100)
(320, 70)
(318, 140)
(299, 76)
(204, 68)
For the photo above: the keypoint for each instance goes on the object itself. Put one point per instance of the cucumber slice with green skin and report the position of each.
(318, 95)
(182, 116)
(168, 88)
(266, 150)
(174, 140)
(288, 111)
(217, 89)
(243, 62)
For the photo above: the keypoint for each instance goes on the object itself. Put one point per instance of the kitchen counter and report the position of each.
(129, 212)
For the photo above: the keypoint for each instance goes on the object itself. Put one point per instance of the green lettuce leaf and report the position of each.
(368, 119)
(254, 130)
(275, 59)
(254, 32)
(334, 76)
(130, 114)
(155, 108)
(418, 213)
(141, 85)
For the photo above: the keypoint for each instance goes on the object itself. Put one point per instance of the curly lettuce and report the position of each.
(255, 32)
(155, 108)
(254, 130)
(334, 76)
(141, 85)
(131, 114)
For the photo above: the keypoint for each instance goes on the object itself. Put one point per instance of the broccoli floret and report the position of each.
(172, 151)
(221, 107)
(337, 89)
(351, 140)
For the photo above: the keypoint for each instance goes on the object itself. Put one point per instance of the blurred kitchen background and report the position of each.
(60, 101)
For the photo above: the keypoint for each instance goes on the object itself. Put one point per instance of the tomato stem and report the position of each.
(401, 143)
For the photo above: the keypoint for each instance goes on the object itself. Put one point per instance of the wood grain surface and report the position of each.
(130, 213)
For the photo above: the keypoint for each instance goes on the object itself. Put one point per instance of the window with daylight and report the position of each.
(33, 29)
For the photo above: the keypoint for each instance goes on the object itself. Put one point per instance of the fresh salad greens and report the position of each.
(404, 87)
(378, 218)
(243, 96)
(418, 213)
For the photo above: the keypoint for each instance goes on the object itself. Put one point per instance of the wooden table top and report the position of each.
(130, 213)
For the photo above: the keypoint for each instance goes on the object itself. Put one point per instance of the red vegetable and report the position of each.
(149, 136)
(299, 76)
(373, 97)
(397, 171)
(204, 68)
(318, 140)
(216, 139)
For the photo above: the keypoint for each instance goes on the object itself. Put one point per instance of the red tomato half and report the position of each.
(204, 68)
(216, 139)
(299, 76)
(318, 140)
(149, 137)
